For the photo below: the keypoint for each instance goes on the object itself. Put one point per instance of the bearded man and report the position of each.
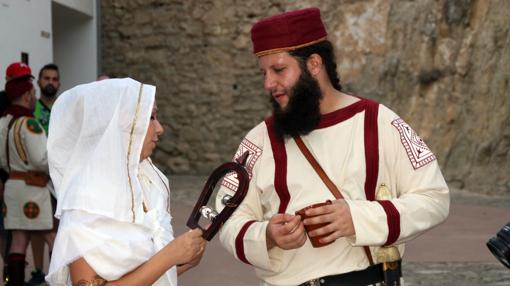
(380, 184)
(49, 83)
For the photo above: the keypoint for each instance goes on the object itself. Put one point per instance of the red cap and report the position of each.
(17, 70)
(288, 31)
(15, 88)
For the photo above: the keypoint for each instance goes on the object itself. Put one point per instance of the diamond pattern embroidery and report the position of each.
(230, 181)
(417, 151)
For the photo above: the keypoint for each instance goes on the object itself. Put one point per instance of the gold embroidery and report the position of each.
(98, 281)
(129, 150)
(18, 141)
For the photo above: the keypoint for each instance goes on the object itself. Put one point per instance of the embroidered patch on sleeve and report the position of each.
(34, 126)
(230, 181)
(417, 151)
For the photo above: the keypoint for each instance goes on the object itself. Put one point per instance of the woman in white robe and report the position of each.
(113, 203)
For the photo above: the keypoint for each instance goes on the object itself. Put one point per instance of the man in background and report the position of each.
(17, 70)
(27, 190)
(49, 84)
(14, 70)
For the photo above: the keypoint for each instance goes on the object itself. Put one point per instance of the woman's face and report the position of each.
(153, 132)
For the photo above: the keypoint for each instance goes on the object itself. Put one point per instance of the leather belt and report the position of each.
(17, 175)
(372, 275)
(33, 178)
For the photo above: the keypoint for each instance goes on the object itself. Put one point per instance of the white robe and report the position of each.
(113, 248)
(419, 195)
(96, 136)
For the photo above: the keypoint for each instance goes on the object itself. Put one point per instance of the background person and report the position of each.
(13, 71)
(27, 195)
(49, 84)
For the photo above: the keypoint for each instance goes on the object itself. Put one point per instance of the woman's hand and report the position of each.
(188, 247)
(194, 262)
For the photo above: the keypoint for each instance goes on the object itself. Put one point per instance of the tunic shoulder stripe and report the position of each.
(371, 148)
(280, 164)
(372, 170)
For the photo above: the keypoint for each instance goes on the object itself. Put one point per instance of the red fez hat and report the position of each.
(15, 88)
(18, 70)
(288, 31)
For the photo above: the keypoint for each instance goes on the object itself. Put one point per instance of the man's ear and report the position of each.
(314, 64)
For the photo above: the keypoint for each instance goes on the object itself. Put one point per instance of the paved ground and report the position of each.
(453, 253)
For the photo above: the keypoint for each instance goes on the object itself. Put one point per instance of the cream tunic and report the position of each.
(27, 207)
(284, 182)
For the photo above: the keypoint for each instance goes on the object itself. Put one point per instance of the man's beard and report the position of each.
(49, 90)
(302, 113)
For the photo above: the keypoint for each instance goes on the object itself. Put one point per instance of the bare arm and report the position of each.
(184, 249)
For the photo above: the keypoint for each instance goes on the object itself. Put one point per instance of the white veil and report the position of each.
(95, 139)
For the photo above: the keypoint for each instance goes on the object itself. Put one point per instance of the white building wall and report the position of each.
(25, 26)
(75, 42)
(63, 32)
(86, 7)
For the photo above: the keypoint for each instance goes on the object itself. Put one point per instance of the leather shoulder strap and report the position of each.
(317, 167)
(324, 177)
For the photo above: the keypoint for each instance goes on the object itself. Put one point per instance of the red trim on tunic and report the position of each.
(393, 220)
(280, 166)
(240, 242)
(371, 148)
(372, 171)
(342, 114)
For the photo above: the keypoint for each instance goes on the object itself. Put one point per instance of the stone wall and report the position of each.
(443, 65)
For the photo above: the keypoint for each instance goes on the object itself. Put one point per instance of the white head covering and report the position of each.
(95, 139)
